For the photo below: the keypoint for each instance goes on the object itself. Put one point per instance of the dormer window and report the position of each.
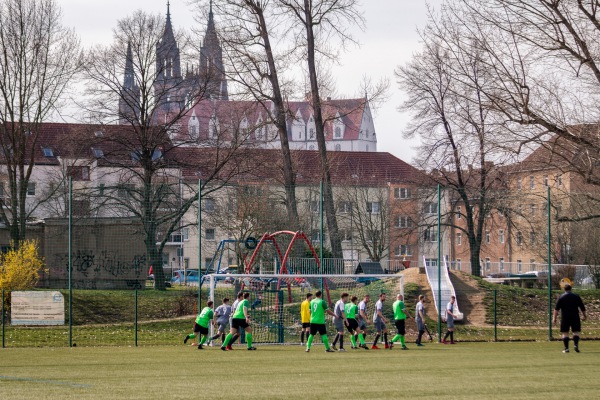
(48, 152)
(98, 153)
(99, 133)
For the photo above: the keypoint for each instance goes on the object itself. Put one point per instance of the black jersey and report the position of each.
(569, 305)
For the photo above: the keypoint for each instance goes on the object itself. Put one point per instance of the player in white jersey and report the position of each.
(222, 315)
(380, 323)
(362, 316)
(340, 321)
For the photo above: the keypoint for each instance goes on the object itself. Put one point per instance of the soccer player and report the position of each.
(340, 321)
(569, 305)
(362, 317)
(201, 325)
(240, 320)
(420, 319)
(379, 321)
(450, 321)
(222, 315)
(351, 311)
(318, 308)
(240, 297)
(305, 317)
(400, 314)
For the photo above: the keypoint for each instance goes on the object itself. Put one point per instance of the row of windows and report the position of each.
(501, 237)
(557, 179)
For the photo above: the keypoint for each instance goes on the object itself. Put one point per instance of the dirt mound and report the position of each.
(412, 275)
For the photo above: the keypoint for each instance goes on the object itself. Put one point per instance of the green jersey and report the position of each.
(351, 310)
(239, 311)
(203, 319)
(399, 308)
(317, 311)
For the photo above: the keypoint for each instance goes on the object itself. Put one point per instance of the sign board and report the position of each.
(37, 308)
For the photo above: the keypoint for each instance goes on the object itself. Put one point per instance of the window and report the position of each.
(519, 239)
(101, 189)
(458, 212)
(459, 239)
(373, 235)
(488, 264)
(487, 237)
(430, 235)
(345, 207)
(314, 236)
(81, 208)
(519, 266)
(532, 264)
(338, 132)
(79, 173)
(373, 207)
(346, 235)
(186, 234)
(31, 189)
(430, 208)
(311, 133)
(314, 207)
(48, 152)
(545, 180)
(532, 237)
(559, 180)
(209, 205)
(338, 147)
(501, 235)
(403, 222)
(458, 264)
(124, 191)
(501, 263)
(98, 153)
(532, 182)
(519, 183)
(401, 193)
(402, 250)
(209, 234)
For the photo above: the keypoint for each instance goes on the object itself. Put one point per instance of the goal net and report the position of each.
(275, 299)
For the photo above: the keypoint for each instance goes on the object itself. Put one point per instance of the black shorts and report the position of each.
(237, 323)
(570, 323)
(400, 326)
(321, 329)
(200, 329)
(352, 325)
(305, 325)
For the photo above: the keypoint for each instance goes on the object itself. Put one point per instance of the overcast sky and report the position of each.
(389, 40)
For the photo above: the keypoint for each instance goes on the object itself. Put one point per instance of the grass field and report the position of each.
(535, 370)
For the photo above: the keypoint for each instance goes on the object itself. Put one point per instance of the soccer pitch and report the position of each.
(463, 371)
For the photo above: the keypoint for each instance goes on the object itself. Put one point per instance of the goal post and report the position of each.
(275, 298)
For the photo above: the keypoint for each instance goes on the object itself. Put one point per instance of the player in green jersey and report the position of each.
(400, 314)
(318, 309)
(201, 325)
(240, 320)
(351, 311)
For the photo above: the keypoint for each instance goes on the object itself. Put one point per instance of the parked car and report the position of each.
(191, 276)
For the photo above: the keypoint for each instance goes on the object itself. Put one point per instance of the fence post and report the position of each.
(200, 245)
(136, 318)
(70, 248)
(549, 270)
(2, 318)
(439, 263)
(495, 319)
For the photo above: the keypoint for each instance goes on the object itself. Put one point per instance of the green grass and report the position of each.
(464, 371)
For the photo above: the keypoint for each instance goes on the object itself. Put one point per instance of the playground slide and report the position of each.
(446, 289)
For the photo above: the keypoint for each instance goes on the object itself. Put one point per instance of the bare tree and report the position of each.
(147, 160)
(38, 59)
(317, 25)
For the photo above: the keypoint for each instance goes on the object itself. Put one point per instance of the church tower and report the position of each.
(211, 62)
(167, 87)
(129, 101)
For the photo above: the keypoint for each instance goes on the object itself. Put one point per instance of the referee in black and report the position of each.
(569, 305)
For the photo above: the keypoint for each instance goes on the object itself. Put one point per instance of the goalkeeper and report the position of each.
(201, 325)
(351, 311)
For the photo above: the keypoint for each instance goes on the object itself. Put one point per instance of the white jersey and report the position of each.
(419, 308)
(223, 312)
(362, 306)
(234, 307)
(338, 309)
(378, 307)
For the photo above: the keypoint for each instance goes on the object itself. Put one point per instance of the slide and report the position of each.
(446, 288)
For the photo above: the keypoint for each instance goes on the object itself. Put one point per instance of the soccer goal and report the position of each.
(275, 299)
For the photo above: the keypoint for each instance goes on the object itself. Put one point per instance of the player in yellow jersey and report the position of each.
(305, 317)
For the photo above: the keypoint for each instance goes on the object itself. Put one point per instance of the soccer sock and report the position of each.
(452, 336)
(420, 336)
(249, 339)
(395, 338)
(385, 340)
(309, 342)
(222, 337)
(191, 336)
(353, 340)
(227, 340)
(362, 339)
(566, 342)
(325, 340)
(402, 341)
(576, 340)
(203, 340)
(341, 341)
(376, 339)
(337, 336)
(302, 337)
(364, 335)
(446, 335)
(235, 338)
(216, 336)
(355, 337)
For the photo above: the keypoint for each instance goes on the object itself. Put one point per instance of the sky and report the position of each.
(390, 39)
